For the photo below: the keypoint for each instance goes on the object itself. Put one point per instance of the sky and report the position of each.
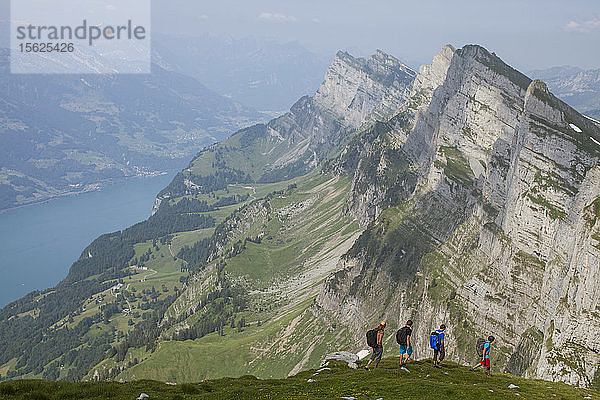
(526, 34)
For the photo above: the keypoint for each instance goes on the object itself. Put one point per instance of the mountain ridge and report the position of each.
(473, 202)
(295, 142)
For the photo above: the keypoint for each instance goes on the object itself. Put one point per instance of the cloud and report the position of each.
(316, 20)
(111, 7)
(276, 17)
(584, 26)
(203, 16)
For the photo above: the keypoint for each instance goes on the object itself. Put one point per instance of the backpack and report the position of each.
(401, 335)
(372, 338)
(480, 345)
(434, 340)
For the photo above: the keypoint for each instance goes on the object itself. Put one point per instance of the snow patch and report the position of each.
(575, 128)
(595, 141)
(592, 119)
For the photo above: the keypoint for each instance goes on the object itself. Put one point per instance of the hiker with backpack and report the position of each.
(403, 339)
(436, 342)
(483, 350)
(375, 341)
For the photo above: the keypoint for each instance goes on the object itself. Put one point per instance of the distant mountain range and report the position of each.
(66, 133)
(263, 74)
(107, 127)
(577, 87)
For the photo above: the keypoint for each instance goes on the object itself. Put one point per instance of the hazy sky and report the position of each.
(526, 34)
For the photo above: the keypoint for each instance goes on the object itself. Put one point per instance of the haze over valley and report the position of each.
(278, 202)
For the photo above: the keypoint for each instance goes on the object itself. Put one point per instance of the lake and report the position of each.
(39, 243)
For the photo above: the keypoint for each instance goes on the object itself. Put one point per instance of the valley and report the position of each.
(459, 194)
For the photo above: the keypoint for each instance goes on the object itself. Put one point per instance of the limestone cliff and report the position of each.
(358, 89)
(488, 223)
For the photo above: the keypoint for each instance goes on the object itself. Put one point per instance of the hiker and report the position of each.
(436, 342)
(483, 349)
(403, 339)
(375, 340)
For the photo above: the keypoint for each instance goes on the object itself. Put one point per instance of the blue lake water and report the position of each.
(39, 243)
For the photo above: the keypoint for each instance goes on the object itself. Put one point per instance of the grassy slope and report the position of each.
(211, 355)
(167, 267)
(164, 269)
(281, 275)
(387, 382)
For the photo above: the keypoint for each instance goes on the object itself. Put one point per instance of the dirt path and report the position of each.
(175, 257)
(149, 275)
(252, 196)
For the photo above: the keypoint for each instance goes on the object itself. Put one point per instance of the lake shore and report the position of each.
(92, 187)
(39, 242)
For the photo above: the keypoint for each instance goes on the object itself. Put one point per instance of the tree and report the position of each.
(241, 324)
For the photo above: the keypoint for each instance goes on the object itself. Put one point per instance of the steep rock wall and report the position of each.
(497, 235)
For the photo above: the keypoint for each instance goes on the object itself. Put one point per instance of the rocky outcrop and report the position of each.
(377, 158)
(354, 92)
(358, 89)
(345, 356)
(578, 88)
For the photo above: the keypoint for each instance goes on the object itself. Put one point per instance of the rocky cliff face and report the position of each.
(377, 159)
(359, 89)
(498, 234)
